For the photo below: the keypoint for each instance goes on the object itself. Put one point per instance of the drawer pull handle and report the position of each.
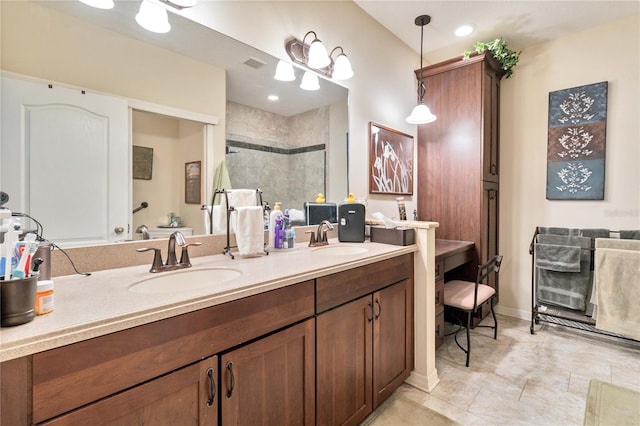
(212, 387)
(232, 379)
(370, 305)
(379, 309)
(438, 330)
(438, 297)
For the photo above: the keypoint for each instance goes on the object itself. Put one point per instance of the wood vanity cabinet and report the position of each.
(458, 154)
(364, 346)
(272, 380)
(160, 366)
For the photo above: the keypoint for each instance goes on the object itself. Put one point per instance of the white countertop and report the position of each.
(87, 307)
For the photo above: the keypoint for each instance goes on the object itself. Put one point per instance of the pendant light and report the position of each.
(421, 114)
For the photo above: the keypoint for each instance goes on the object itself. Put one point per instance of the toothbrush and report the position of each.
(30, 247)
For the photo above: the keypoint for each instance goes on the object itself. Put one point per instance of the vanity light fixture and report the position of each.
(99, 4)
(421, 113)
(309, 81)
(314, 56)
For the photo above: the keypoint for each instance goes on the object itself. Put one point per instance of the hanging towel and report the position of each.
(558, 231)
(617, 274)
(221, 179)
(236, 198)
(249, 228)
(630, 234)
(567, 289)
(558, 258)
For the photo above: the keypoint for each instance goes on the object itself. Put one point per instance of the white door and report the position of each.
(65, 161)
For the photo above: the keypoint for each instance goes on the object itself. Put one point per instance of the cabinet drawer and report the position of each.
(337, 289)
(74, 375)
(439, 296)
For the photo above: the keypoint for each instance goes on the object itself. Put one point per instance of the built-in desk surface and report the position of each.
(453, 253)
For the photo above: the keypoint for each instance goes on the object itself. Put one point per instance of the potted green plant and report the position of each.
(508, 58)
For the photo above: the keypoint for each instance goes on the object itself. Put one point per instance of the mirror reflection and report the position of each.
(291, 149)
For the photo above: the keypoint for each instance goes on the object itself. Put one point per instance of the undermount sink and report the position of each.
(340, 250)
(184, 280)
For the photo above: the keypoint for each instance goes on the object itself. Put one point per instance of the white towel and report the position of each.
(248, 223)
(215, 220)
(237, 198)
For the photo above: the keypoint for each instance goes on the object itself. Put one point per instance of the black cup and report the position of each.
(18, 301)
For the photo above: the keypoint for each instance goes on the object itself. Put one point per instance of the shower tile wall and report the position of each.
(285, 175)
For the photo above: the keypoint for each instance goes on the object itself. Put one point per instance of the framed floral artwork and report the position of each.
(390, 161)
(576, 143)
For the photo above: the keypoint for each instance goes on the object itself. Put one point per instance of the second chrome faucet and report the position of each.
(172, 262)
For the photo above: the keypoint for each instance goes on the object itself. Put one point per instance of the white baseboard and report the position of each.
(511, 312)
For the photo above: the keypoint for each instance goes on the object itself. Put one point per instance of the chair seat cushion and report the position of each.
(459, 294)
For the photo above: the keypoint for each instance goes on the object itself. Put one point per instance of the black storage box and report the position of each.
(400, 236)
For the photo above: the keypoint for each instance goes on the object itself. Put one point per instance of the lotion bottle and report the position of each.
(275, 213)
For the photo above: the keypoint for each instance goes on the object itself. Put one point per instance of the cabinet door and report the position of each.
(392, 339)
(271, 381)
(489, 238)
(344, 363)
(491, 139)
(185, 397)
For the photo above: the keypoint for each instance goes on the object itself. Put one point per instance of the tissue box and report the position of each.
(400, 236)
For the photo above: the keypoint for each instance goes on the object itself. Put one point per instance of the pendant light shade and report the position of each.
(421, 114)
(284, 71)
(310, 81)
(99, 4)
(153, 17)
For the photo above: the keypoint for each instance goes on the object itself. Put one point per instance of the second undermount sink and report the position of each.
(184, 280)
(340, 250)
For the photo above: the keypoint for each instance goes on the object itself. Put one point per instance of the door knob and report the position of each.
(118, 229)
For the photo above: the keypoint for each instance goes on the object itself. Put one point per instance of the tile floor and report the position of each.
(524, 379)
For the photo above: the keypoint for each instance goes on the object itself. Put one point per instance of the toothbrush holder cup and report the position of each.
(18, 301)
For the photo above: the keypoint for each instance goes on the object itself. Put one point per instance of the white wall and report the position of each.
(383, 89)
(610, 53)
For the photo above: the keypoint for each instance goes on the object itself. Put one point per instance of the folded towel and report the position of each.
(558, 258)
(567, 289)
(249, 228)
(630, 234)
(618, 285)
(558, 231)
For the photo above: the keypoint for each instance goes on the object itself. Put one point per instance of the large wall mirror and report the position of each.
(291, 149)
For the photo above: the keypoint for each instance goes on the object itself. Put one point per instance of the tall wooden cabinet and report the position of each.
(458, 154)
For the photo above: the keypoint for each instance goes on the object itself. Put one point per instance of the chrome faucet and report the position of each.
(320, 236)
(172, 263)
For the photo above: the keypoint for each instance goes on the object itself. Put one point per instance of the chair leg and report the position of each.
(468, 351)
(495, 321)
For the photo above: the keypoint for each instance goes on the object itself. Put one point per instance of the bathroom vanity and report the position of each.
(245, 351)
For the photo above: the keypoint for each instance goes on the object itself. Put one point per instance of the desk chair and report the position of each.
(467, 296)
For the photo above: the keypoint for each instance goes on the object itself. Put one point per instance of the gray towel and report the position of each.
(558, 258)
(550, 230)
(630, 234)
(568, 289)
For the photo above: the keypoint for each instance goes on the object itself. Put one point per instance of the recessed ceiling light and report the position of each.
(464, 30)
(273, 97)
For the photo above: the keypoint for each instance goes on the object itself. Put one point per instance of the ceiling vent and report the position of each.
(254, 63)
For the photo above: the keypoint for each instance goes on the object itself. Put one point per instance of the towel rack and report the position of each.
(579, 319)
(225, 193)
